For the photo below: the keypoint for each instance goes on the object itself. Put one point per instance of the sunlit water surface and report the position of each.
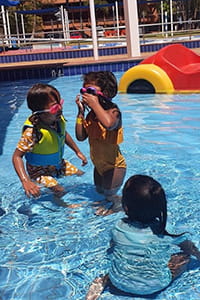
(51, 252)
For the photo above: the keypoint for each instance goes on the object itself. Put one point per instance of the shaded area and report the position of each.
(141, 86)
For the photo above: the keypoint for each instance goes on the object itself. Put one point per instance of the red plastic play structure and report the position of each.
(173, 69)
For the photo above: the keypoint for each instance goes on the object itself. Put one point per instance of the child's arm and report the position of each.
(31, 189)
(109, 118)
(80, 131)
(70, 142)
(188, 247)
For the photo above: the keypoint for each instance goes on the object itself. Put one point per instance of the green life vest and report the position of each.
(49, 150)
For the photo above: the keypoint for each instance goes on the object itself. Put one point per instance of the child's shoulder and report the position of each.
(27, 131)
(115, 111)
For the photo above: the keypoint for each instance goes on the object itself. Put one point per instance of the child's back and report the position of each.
(144, 257)
(143, 249)
(140, 258)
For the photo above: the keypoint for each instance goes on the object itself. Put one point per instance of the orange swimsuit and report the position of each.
(104, 149)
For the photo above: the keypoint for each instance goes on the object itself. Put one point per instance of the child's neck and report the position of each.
(53, 125)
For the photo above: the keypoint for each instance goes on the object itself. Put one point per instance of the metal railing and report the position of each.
(149, 33)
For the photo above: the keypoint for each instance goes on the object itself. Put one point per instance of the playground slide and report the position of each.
(173, 69)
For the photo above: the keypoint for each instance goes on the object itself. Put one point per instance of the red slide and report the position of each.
(181, 64)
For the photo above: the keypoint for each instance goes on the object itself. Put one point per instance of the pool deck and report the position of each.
(71, 61)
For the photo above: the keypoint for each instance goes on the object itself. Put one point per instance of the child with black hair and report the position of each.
(103, 128)
(42, 143)
(145, 257)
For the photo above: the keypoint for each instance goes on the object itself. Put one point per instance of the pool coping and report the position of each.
(72, 62)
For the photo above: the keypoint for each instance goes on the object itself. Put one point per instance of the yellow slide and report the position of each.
(154, 77)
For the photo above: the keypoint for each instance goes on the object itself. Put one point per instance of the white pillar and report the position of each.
(63, 22)
(4, 24)
(94, 30)
(66, 23)
(171, 18)
(166, 24)
(162, 17)
(117, 17)
(132, 29)
(23, 28)
(17, 29)
(9, 32)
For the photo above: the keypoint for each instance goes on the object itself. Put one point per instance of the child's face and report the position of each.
(52, 112)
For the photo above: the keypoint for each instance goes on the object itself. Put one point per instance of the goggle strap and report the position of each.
(40, 111)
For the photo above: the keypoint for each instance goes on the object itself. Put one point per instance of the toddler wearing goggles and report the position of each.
(42, 144)
(53, 109)
(103, 128)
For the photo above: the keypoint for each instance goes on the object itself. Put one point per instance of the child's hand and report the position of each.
(83, 158)
(90, 100)
(80, 105)
(31, 189)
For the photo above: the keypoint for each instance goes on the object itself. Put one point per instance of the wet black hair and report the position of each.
(106, 80)
(144, 201)
(39, 94)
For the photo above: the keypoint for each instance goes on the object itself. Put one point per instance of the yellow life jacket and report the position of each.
(49, 150)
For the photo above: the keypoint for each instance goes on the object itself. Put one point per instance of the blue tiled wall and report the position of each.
(30, 73)
(55, 71)
(113, 67)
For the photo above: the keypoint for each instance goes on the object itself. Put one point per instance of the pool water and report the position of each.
(51, 252)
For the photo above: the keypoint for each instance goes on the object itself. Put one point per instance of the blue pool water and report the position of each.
(51, 252)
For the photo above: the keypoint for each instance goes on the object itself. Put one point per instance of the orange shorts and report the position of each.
(46, 175)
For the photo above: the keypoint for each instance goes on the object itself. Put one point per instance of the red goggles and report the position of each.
(52, 110)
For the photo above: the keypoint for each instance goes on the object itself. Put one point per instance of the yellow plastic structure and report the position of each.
(149, 72)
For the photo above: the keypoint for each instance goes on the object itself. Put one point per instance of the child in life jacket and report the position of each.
(42, 143)
(145, 258)
(103, 128)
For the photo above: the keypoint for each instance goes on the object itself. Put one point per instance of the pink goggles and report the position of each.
(52, 110)
(91, 90)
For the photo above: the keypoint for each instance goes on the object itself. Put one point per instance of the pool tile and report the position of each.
(69, 70)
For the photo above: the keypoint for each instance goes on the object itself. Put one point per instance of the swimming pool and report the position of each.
(50, 252)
